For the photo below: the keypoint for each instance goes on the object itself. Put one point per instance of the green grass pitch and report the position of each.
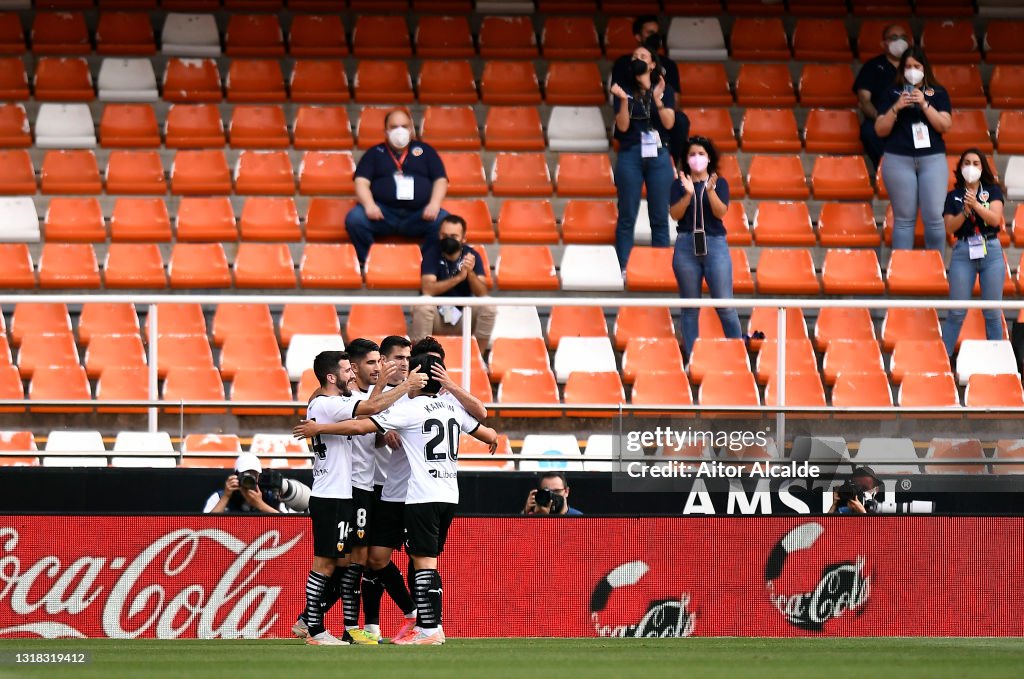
(531, 658)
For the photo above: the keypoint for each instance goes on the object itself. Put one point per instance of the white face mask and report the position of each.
(898, 47)
(399, 137)
(971, 173)
(914, 76)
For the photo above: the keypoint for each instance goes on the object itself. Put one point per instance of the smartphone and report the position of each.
(909, 89)
(700, 243)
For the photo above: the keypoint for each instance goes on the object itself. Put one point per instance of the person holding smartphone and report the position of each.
(699, 199)
(916, 112)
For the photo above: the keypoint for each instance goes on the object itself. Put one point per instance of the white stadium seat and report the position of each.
(143, 442)
(1014, 178)
(190, 35)
(516, 322)
(304, 348)
(642, 227)
(563, 449)
(65, 126)
(64, 441)
(127, 80)
(872, 450)
(266, 445)
(985, 357)
(19, 222)
(696, 39)
(599, 453)
(591, 267)
(589, 354)
(577, 128)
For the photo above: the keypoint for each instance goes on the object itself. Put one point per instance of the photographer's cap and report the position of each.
(248, 462)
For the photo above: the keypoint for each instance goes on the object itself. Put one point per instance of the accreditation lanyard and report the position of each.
(405, 187)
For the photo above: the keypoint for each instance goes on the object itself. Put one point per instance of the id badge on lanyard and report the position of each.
(976, 247)
(650, 142)
(922, 139)
(405, 187)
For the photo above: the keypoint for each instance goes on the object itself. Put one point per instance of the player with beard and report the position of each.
(430, 428)
(330, 505)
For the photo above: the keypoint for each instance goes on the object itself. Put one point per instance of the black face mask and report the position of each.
(653, 42)
(450, 245)
(639, 67)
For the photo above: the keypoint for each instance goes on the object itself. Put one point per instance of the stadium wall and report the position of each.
(242, 577)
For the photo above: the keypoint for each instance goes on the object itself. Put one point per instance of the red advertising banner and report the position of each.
(244, 577)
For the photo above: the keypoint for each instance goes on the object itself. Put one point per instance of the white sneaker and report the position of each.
(325, 638)
(300, 629)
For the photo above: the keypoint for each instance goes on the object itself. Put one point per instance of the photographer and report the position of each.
(550, 497)
(242, 492)
(862, 494)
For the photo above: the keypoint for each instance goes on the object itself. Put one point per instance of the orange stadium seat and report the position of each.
(507, 37)
(618, 35)
(134, 265)
(706, 85)
(526, 267)
(68, 265)
(994, 391)
(308, 319)
(759, 39)
(113, 350)
(770, 131)
(584, 175)
(780, 177)
(918, 357)
(264, 265)
(950, 42)
(589, 221)
(261, 384)
(479, 225)
(256, 350)
(969, 130)
(393, 266)
(917, 272)
(909, 324)
(1006, 86)
(125, 34)
(100, 318)
(766, 320)
(199, 172)
(322, 173)
(192, 80)
(140, 220)
(593, 388)
(943, 8)
(799, 358)
(848, 225)
(661, 388)
(505, 83)
(1010, 133)
(35, 318)
(527, 221)
(573, 83)
(940, 449)
(642, 323)
(714, 123)
(194, 126)
(322, 127)
(528, 386)
(383, 82)
(330, 266)
(60, 383)
(928, 391)
(258, 127)
(135, 172)
(182, 351)
(728, 389)
(43, 349)
(842, 324)
(764, 85)
(827, 86)
(255, 80)
(446, 82)
(1002, 42)
(63, 79)
(16, 266)
(75, 220)
(307, 385)
(370, 128)
(963, 82)
(862, 390)
(73, 172)
(319, 82)
(1008, 449)
(270, 219)
(325, 219)
(12, 34)
(317, 35)
(177, 319)
(453, 128)
(198, 265)
(253, 35)
(129, 126)
(651, 355)
(14, 127)
(443, 37)
(17, 176)
(841, 178)
(817, 39)
(851, 356)
(650, 270)
(18, 442)
(515, 353)
(267, 172)
(194, 384)
(802, 389)
(202, 218)
(60, 33)
(710, 356)
(786, 272)
(511, 128)
(852, 272)
(381, 37)
(570, 38)
(123, 383)
(783, 223)
(13, 79)
(974, 326)
(752, 8)
(832, 131)
(376, 321)
(465, 174)
(737, 226)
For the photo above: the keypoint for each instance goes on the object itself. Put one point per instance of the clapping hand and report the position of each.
(687, 183)
(617, 92)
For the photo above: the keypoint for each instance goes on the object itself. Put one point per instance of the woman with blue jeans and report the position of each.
(643, 117)
(700, 199)
(915, 113)
(973, 214)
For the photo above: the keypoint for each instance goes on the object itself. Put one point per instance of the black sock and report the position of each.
(373, 591)
(315, 585)
(391, 579)
(427, 592)
(332, 592)
(351, 578)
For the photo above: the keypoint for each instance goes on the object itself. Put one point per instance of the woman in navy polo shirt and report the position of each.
(974, 214)
(915, 114)
(643, 117)
(699, 199)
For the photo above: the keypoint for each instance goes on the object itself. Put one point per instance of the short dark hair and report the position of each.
(393, 341)
(708, 146)
(455, 219)
(325, 363)
(638, 23)
(425, 362)
(360, 348)
(553, 475)
(427, 345)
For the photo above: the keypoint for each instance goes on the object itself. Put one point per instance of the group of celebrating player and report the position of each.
(385, 427)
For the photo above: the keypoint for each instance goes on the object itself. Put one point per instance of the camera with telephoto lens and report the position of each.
(850, 491)
(248, 479)
(545, 497)
(292, 493)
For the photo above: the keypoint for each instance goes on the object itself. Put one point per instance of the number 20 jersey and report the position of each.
(332, 470)
(430, 428)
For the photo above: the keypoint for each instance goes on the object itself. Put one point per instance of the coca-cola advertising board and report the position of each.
(243, 577)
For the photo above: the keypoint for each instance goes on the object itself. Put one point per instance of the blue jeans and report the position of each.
(631, 173)
(691, 271)
(397, 222)
(915, 182)
(962, 272)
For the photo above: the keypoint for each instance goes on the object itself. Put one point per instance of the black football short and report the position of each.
(363, 502)
(388, 524)
(332, 520)
(426, 526)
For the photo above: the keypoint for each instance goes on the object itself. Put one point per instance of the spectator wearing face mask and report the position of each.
(915, 113)
(873, 80)
(643, 119)
(974, 214)
(399, 185)
(700, 199)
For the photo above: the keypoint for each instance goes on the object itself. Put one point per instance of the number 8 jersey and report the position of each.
(430, 428)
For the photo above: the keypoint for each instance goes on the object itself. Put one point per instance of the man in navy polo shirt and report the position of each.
(874, 79)
(452, 269)
(400, 185)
